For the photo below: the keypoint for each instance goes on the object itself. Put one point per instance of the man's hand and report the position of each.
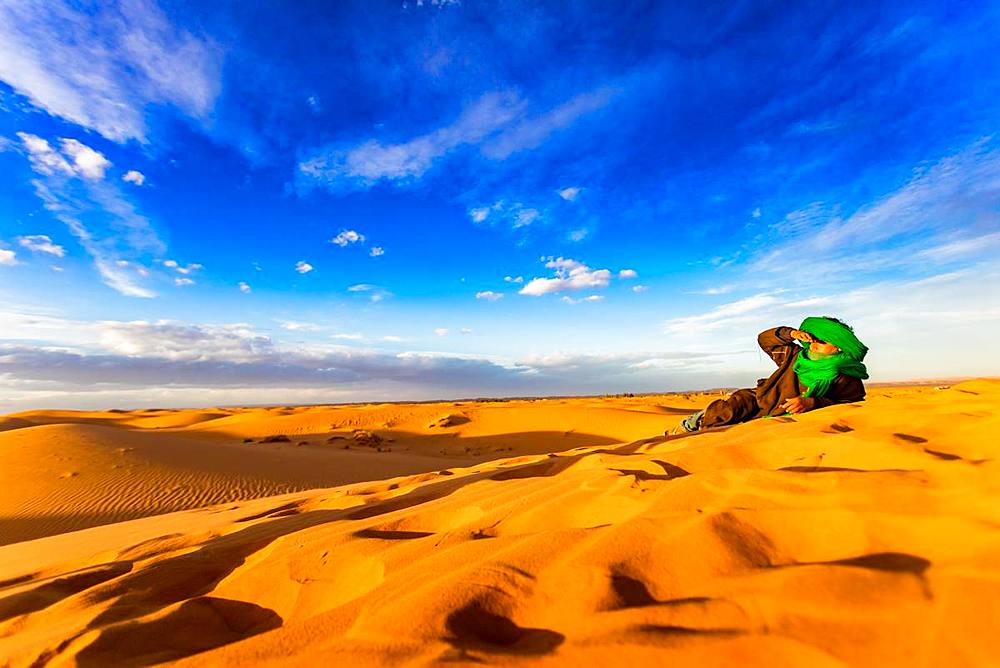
(805, 337)
(799, 405)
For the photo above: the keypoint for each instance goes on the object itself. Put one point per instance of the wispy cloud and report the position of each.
(41, 243)
(489, 295)
(569, 194)
(295, 326)
(8, 257)
(363, 165)
(375, 293)
(96, 212)
(376, 251)
(961, 191)
(715, 290)
(496, 123)
(119, 61)
(303, 267)
(589, 299)
(244, 287)
(532, 132)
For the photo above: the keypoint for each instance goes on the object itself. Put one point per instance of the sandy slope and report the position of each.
(67, 470)
(857, 535)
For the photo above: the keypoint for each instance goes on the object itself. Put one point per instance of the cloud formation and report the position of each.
(134, 177)
(303, 267)
(569, 275)
(497, 123)
(366, 164)
(102, 69)
(41, 243)
(96, 212)
(489, 295)
(346, 237)
(904, 228)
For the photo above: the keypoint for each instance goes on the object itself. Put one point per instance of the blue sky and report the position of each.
(310, 201)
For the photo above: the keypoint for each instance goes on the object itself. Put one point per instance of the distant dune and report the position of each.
(539, 532)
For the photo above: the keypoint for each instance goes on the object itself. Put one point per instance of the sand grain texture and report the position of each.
(864, 534)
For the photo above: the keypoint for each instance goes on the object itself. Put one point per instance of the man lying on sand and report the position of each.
(819, 364)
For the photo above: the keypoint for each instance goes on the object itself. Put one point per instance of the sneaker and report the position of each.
(688, 425)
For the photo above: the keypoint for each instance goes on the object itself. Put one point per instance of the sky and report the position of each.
(314, 202)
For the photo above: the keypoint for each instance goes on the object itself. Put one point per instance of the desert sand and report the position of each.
(566, 531)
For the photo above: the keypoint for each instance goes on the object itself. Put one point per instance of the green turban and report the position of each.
(818, 374)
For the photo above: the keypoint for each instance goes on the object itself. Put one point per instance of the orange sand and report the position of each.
(536, 532)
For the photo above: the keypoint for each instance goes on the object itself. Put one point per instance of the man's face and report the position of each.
(823, 347)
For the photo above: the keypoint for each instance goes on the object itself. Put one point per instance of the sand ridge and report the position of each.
(68, 470)
(863, 534)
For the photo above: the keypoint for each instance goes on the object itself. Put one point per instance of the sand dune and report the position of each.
(863, 534)
(68, 470)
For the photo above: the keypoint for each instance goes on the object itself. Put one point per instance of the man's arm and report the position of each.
(776, 343)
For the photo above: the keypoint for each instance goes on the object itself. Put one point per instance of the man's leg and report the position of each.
(740, 406)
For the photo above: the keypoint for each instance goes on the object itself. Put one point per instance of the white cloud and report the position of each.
(96, 212)
(119, 61)
(743, 310)
(41, 243)
(532, 132)
(44, 159)
(525, 217)
(183, 281)
(479, 214)
(370, 162)
(347, 237)
(591, 299)
(75, 159)
(715, 290)
(489, 295)
(628, 273)
(133, 176)
(578, 235)
(962, 247)
(244, 287)
(392, 339)
(756, 213)
(89, 164)
(294, 326)
(377, 293)
(347, 337)
(514, 279)
(376, 251)
(569, 194)
(640, 288)
(898, 230)
(466, 330)
(8, 257)
(441, 331)
(490, 122)
(303, 267)
(570, 275)
(190, 268)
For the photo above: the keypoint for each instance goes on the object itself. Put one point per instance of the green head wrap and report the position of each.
(818, 374)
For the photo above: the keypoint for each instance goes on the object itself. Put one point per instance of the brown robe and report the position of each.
(780, 386)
